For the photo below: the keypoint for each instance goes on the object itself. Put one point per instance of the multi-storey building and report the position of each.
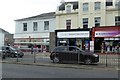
(103, 15)
(82, 23)
(5, 38)
(68, 30)
(35, 30)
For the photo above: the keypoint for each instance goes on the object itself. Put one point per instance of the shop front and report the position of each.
(106, 39)
(73, 37)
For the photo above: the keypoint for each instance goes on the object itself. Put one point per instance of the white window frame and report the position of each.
(97, 21)
(46, 25)
(117, 20)
(97, 6)
(68, 8)
(85, 7)
(35, 26)
(110, 2)
(85, 22)
(24, 26)
(68, 24)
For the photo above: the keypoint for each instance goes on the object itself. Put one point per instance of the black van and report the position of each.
(12, 52)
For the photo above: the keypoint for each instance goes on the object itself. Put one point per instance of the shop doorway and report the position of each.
(72, 42)
(97, 44)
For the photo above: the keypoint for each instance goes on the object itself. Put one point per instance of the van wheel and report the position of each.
(56, 60)
(87, 61)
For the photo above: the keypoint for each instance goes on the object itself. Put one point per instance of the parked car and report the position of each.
(2, 55)
(12, 52)
(73, 53)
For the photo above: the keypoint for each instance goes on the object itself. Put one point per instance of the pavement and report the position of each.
(42, 59)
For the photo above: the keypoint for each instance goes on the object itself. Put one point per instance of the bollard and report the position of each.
(106, 60)
(34, 57)
(17, 57)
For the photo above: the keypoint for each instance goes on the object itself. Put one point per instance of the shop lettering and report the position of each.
(105, 33)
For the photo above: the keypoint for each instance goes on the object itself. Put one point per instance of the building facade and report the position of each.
(5, 38)
(86, 15)
(97, 13)
(35, 31)
(73, 37)
(106, 38)
(67, 15)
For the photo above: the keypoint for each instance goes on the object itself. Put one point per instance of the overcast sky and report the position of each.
(11, 10)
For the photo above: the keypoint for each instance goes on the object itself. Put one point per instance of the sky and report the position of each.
(11, 10)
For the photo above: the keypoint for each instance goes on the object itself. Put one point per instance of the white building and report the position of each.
(5, 38)
(35, 30)
(98, 13)
(88, 14)
(74, 18)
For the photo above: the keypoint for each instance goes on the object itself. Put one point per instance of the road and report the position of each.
(30, 71)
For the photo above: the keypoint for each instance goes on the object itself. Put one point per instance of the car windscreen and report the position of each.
(12, 48)
(60, 49)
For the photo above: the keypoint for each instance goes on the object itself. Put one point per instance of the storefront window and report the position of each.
(79, 43)
(62, 42)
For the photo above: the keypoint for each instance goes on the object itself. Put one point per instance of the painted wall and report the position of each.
(41, 33)
(107, 14)
(62, 16)
(91, 14)
(61, 21)
(1, 38)
(19, 26)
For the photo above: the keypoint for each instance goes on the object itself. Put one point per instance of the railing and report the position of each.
(106, 59)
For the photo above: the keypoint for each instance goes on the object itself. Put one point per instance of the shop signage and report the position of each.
(74, 34)
(63, 42)
(106, 33)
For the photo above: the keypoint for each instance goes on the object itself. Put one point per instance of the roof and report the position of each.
(41, 16)
(74, 3)
(5, 32)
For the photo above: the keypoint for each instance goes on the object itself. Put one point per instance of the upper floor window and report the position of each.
(85, 23)
(97, 5)
(35, 26)
(117, 21)
(85, 6)
(62, 7)
(68, 24)
(75, 6)
(68, 10)
(24, 26)
(117, 4)
(46, 25)
(109, 3)
(97, 21)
